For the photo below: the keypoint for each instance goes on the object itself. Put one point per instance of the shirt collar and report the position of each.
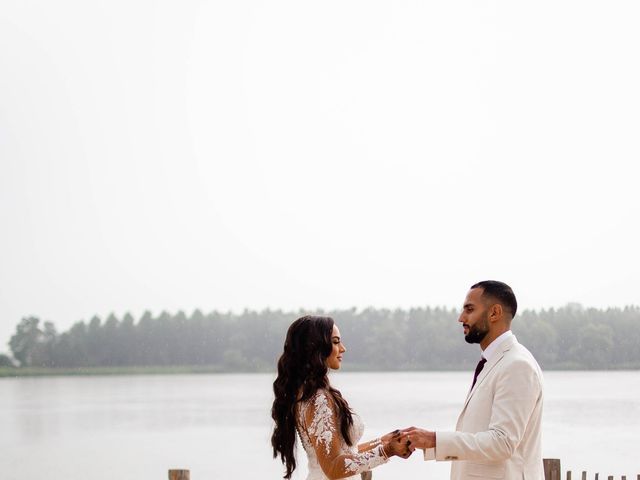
(491, 349)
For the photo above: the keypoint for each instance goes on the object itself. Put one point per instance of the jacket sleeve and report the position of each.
(322, 426)
(516, 394)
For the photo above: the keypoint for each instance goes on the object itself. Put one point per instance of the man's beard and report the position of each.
(478, 331)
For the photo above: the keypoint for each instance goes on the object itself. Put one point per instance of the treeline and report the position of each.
(376, 339)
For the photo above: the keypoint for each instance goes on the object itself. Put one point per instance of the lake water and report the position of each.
(218, 426)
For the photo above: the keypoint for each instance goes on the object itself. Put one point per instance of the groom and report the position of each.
(498, 434)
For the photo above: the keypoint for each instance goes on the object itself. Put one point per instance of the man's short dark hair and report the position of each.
(501, 292)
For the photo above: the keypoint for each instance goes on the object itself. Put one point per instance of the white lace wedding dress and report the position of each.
(319, 431)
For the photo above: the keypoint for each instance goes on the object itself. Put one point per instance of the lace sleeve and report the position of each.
(324, 433)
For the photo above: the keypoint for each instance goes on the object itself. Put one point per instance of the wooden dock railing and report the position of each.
(178, 474)
(552, 471)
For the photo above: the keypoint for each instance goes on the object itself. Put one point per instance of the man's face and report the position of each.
(474, 317)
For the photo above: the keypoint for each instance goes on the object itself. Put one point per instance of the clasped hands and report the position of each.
(402, 443)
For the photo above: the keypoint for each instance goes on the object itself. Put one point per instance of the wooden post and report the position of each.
(552, 469)
(584, 475)
(178, 474)
(610, 477)
(597, 476)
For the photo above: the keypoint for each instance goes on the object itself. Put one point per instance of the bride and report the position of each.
(305, 401)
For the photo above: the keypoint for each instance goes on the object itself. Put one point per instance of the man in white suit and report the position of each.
(498, 434)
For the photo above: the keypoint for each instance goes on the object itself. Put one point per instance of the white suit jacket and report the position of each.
(498, 434)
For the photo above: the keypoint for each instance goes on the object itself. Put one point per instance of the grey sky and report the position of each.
(222, 155)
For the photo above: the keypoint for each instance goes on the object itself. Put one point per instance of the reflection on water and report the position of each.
(219, 425)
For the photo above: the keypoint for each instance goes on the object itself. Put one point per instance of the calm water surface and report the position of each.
(218, 426)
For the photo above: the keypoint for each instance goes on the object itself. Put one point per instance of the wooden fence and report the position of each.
(178, 474)
(552, 471)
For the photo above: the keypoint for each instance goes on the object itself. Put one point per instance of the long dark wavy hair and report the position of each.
(302, 370)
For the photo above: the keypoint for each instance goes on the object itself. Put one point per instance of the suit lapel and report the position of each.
(488, 367)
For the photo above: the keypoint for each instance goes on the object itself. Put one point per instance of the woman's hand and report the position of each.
(397, 444)
(389, 436)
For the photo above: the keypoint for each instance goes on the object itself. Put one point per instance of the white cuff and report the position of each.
(429, 454)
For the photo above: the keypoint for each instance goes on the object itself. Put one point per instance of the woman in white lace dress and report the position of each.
(306, 402)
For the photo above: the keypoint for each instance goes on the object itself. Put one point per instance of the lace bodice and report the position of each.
(328, 453)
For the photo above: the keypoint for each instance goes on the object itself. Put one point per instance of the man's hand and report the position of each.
(419, 438)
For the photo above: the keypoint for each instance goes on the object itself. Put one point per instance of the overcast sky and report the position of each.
(284, 154)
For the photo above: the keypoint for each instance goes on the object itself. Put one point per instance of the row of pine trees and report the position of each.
(376, 339)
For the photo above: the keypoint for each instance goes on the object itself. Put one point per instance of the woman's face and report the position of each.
(334, 360)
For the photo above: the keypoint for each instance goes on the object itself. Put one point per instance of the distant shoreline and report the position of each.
(420, 339)
(8, 372)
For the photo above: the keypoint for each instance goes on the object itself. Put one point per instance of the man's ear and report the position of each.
(495, 312)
